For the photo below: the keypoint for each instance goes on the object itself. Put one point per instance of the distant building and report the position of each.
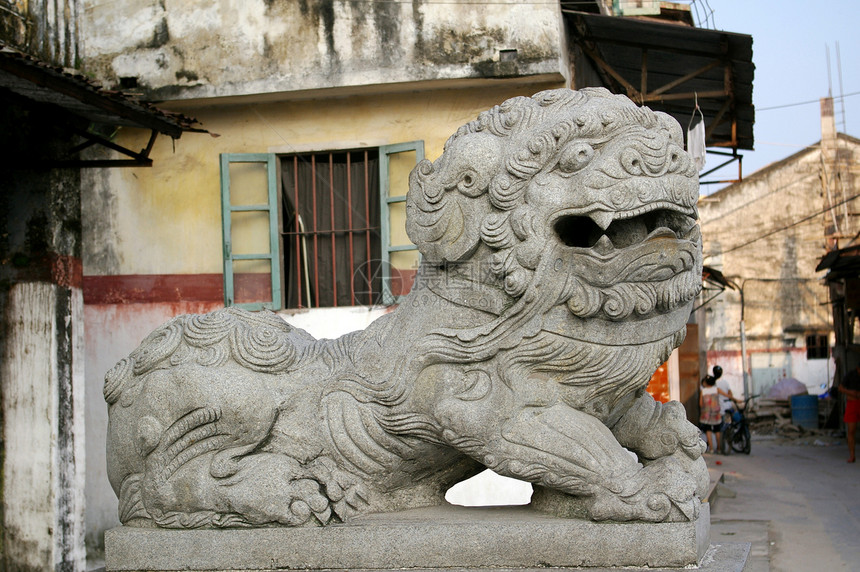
(767, 234)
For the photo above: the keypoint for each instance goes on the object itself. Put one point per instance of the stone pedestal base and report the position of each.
(436, 537)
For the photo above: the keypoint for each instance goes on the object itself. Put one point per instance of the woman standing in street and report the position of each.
(710, 416)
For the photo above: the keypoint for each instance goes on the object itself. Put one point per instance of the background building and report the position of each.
(767, 234)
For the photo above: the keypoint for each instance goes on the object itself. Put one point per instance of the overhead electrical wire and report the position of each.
(771, 191)
(788, 226)
(804, 102)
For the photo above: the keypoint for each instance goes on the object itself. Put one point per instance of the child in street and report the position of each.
(710, 416)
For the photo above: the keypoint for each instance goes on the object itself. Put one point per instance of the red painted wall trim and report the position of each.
(66, 271)
(156, 288)
(61, 269)
(151, 288)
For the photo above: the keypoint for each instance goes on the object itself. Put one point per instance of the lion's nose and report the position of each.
(647, 158)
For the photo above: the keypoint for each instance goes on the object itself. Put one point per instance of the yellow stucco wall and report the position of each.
(167, 219)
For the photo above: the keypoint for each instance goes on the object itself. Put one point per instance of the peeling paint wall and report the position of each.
(166, 219)
(183, 49)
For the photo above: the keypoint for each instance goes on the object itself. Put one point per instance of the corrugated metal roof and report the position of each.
(43, 83)
(671, 54)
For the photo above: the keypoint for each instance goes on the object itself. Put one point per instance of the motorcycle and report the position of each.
(736, 433)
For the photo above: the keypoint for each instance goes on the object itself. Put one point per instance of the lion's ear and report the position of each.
(449, 230)
(448, 199)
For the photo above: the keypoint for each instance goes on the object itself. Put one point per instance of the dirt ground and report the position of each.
(796, 500)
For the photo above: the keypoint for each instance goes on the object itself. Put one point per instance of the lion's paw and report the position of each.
(273, 488)
(345, 491)
(663, 491)
(655, 430)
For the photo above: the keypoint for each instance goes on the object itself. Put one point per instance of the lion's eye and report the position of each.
(469, 184)
(575, 157)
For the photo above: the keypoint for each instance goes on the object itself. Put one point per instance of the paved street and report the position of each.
(797, 502)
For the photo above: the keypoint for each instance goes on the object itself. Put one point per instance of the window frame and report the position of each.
(275, 256)
(820, 345)
(385, 202)
(227, 209)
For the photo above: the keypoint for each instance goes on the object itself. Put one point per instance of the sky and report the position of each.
(790, 41)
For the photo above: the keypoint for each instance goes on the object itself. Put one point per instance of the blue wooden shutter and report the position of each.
(270, 208)
(390, 196)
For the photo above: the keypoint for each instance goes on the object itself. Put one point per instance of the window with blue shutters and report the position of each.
(334, 223)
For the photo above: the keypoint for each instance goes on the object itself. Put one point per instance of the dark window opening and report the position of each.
(331, 222)
(817, 346)
(127, 82)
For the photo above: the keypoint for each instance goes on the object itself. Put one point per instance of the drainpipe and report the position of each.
(746, 375)
(744, 359)
(744, 347)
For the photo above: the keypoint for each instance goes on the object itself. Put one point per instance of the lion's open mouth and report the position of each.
(631, 263)
(621, 230)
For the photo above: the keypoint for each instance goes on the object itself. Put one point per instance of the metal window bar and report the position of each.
(299, 238)
(337, 189)
(350, 225)
(315, 235)
(331, 219)
(369, 267)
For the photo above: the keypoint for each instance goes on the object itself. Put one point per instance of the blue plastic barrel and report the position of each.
(804, 411)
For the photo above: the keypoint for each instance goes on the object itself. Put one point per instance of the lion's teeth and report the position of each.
(603, 246)
(601, 218)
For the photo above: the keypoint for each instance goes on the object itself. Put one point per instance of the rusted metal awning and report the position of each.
(714, 283)
(82, 103)
(843, 282)
(672, 68)
(842, 263)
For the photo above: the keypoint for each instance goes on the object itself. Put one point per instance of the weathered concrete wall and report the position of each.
(41, 343)
(47, 29)
(170, 49)
(784, 299)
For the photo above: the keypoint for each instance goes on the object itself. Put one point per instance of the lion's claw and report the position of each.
(660, 492)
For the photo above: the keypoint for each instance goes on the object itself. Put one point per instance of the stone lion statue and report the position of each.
(561, 256)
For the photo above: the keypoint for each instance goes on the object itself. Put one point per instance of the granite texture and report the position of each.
(433, 537)
(561, 257)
